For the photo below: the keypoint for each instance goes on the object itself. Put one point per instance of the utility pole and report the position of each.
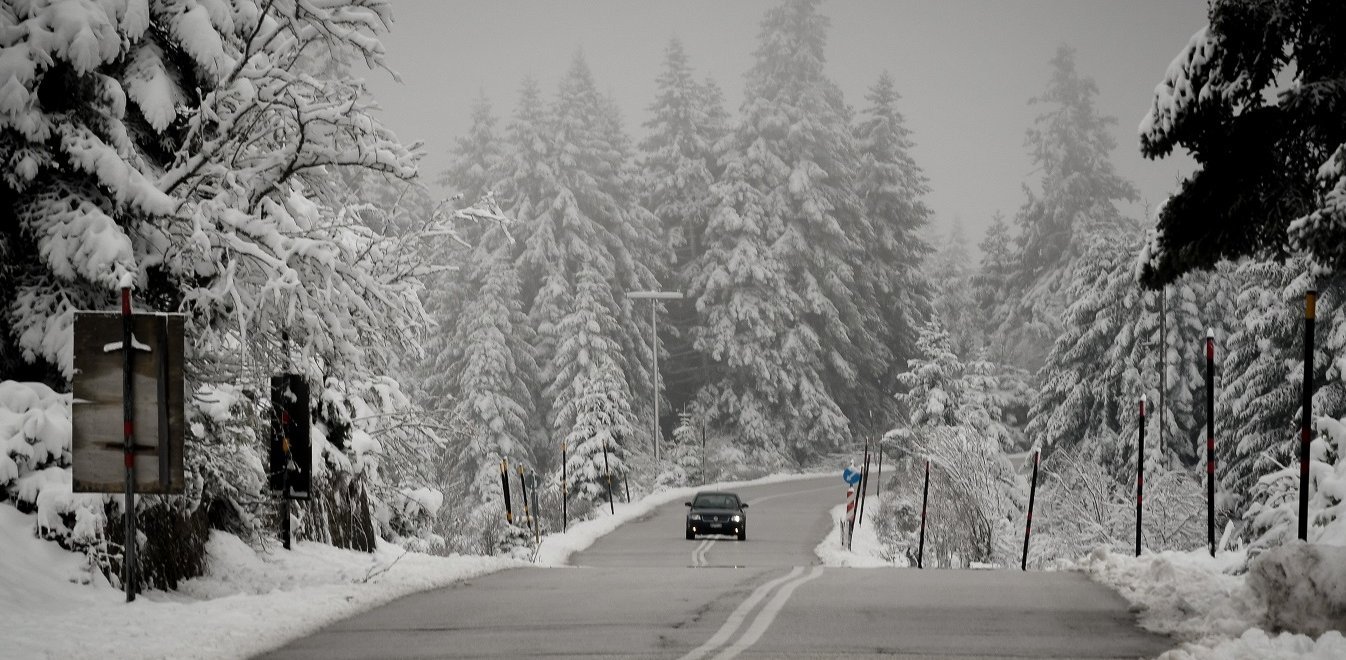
(654, 296)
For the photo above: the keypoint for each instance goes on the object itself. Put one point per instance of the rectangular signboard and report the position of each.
(97, 440)
(291, 450)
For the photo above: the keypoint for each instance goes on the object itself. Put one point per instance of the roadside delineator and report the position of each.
(1306, 417)
(1210, 438)
(504, 486)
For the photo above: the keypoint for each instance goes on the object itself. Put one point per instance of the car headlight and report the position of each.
(694, 516)
(738, 518)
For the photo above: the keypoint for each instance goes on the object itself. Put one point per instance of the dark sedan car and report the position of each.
(717, 513)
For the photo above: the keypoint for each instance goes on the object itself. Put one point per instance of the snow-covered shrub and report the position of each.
(34, 437)
(1274, 513)
(1081, 506)
(974, 505)
(897, 520)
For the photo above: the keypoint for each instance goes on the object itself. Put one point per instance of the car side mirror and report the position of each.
(687, 503)
(743, 505)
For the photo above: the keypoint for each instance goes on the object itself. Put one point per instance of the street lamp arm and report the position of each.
(655, 295)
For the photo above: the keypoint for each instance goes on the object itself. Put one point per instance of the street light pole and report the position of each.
(653, 296)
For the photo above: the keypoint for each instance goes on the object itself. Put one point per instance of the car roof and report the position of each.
(716, 492)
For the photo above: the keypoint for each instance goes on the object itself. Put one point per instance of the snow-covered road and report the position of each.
(645, 591)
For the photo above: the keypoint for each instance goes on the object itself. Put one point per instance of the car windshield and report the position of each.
(716, 502)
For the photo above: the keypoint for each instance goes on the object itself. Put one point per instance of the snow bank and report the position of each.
(1188, 595)
(865, 550)
(1303, 587)
(1213, 612)
(246, 603)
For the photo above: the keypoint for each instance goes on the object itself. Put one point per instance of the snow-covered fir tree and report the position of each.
(587, 242)
(931, 390)
(776, 286)
(495, 382)
(678, 166)
(478, 156)
(1069, 145)
(1110, 353)
(1248, 98)
(950, 269)
(891, 186)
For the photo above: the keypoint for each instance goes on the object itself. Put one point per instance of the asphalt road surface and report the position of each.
(644, 591)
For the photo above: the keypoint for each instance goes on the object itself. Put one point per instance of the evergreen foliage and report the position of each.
(1069, 144)
(1255, 98)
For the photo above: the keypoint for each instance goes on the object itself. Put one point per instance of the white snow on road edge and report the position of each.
(865, 547)
(1196, 599)
(248, 602)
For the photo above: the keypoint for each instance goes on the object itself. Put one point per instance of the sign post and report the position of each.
(128, 445)
(143, 384)
(291, 450)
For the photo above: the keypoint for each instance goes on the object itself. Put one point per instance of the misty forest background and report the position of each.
(229, 161)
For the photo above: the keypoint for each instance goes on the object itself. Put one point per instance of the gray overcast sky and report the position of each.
(965, 69)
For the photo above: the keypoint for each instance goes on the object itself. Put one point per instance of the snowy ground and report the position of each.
(864, 550)
(248, 602)
(1197, 600)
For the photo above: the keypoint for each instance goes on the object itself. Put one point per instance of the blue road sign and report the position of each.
(851, 475)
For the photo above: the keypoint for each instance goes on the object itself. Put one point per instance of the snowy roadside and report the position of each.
(865, 548)
(247, 602)
(1194, 598)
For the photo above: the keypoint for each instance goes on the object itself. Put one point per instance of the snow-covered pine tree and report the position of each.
(891, 186)
(192, 150)
(678, 167)
(930, 389)
(990, 281)
(1089, 384)
(1252, 98)
(478, 164)
(477, 156)
(495, 381)
(776, 285)
(1258, 402)
(583, 223)
(950, 270)
(587, 382)
(1069, 144)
